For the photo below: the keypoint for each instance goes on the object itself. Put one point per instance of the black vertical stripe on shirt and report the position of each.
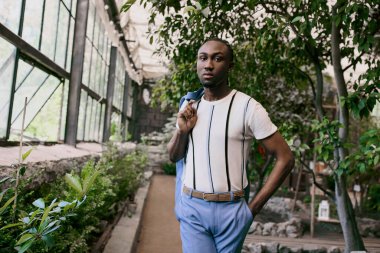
(226, 143)
(209, 154)
(192, 142)
(243, 146)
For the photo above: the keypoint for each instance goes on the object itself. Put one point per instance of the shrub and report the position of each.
(170, 169)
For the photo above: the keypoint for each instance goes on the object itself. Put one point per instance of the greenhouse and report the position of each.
(279, 112)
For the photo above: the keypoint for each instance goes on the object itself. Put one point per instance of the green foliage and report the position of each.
(94, 194)
(170, 169)
(365, 159)
(373, 199)
(327, 139)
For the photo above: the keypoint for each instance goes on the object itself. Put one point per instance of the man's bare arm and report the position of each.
(276, 145)
(186, 120)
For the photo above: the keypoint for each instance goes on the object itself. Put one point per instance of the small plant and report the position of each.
(170, 169)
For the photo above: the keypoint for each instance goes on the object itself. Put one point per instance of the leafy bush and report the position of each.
(170, 169)
(94, 195)
(373, 198)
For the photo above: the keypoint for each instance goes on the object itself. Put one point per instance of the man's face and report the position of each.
(213, 64)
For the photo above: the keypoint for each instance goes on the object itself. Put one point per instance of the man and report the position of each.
(213, 136)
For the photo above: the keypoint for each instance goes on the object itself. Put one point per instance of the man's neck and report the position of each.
(216, 93)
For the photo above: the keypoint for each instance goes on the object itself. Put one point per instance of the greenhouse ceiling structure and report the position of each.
(73, 65)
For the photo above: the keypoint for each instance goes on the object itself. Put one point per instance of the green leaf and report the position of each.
(3, 193)
(296, 19)
(24, 238)
(298, 3)
(376, 160)
(89, 181)
(13, 225)
(63, 203)
(127, 5)
(26, 220)
(3, 180)
(48, 240)
(73, 182)
(40, 203)
(198, 5)
(2, 209)
(51, 230)
(26, 246)
(189, 9)
(47, 210)
(151, 40)
(22, 170)
(26, 154)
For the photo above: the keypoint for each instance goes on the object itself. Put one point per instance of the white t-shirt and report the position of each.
(217, 158)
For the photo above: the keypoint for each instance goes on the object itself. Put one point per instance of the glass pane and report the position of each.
(70, 46)
(93, 69)
(23, 72)
(49, 32)
(45, 125)
(102, 78)
(28, 88)
(63, 25)
(35, 104)
(95, 134)
(7, 61)
(87, 63)
(64, 109)
(32, 22)
(96, 31)
(73, 8)
(98, 68)
(82, 115)
(101, 123)
(115, 127)
(90, 21)
(88, 118)
(10, 14)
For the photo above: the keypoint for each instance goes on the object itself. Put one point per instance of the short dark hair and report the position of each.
(228, 45)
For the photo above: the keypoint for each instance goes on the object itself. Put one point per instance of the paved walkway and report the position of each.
(159, 229)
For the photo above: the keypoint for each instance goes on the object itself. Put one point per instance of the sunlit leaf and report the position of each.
(40, 203)
(73, 182)
(2, 209)
(26, 154)
(24, 238)
(127, 5)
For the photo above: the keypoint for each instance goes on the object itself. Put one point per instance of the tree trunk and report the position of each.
(352, 237)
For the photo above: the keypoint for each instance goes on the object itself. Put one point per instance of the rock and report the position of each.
(295, 249)
(292, 231)
(259, 229)
(314, 249)
(255, 248)
(269, 227)
(369, 227)
(284, 249)
(253, 227)
(281, 229)
(333, 249)
(271, 247)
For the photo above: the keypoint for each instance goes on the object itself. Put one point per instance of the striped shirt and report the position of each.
(220, 142)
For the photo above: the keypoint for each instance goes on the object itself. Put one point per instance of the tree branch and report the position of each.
(353, 62)
(309, 170)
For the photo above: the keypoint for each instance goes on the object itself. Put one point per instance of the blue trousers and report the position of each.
(212, 227)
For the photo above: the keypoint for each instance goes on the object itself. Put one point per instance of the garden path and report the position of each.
(159, 228)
